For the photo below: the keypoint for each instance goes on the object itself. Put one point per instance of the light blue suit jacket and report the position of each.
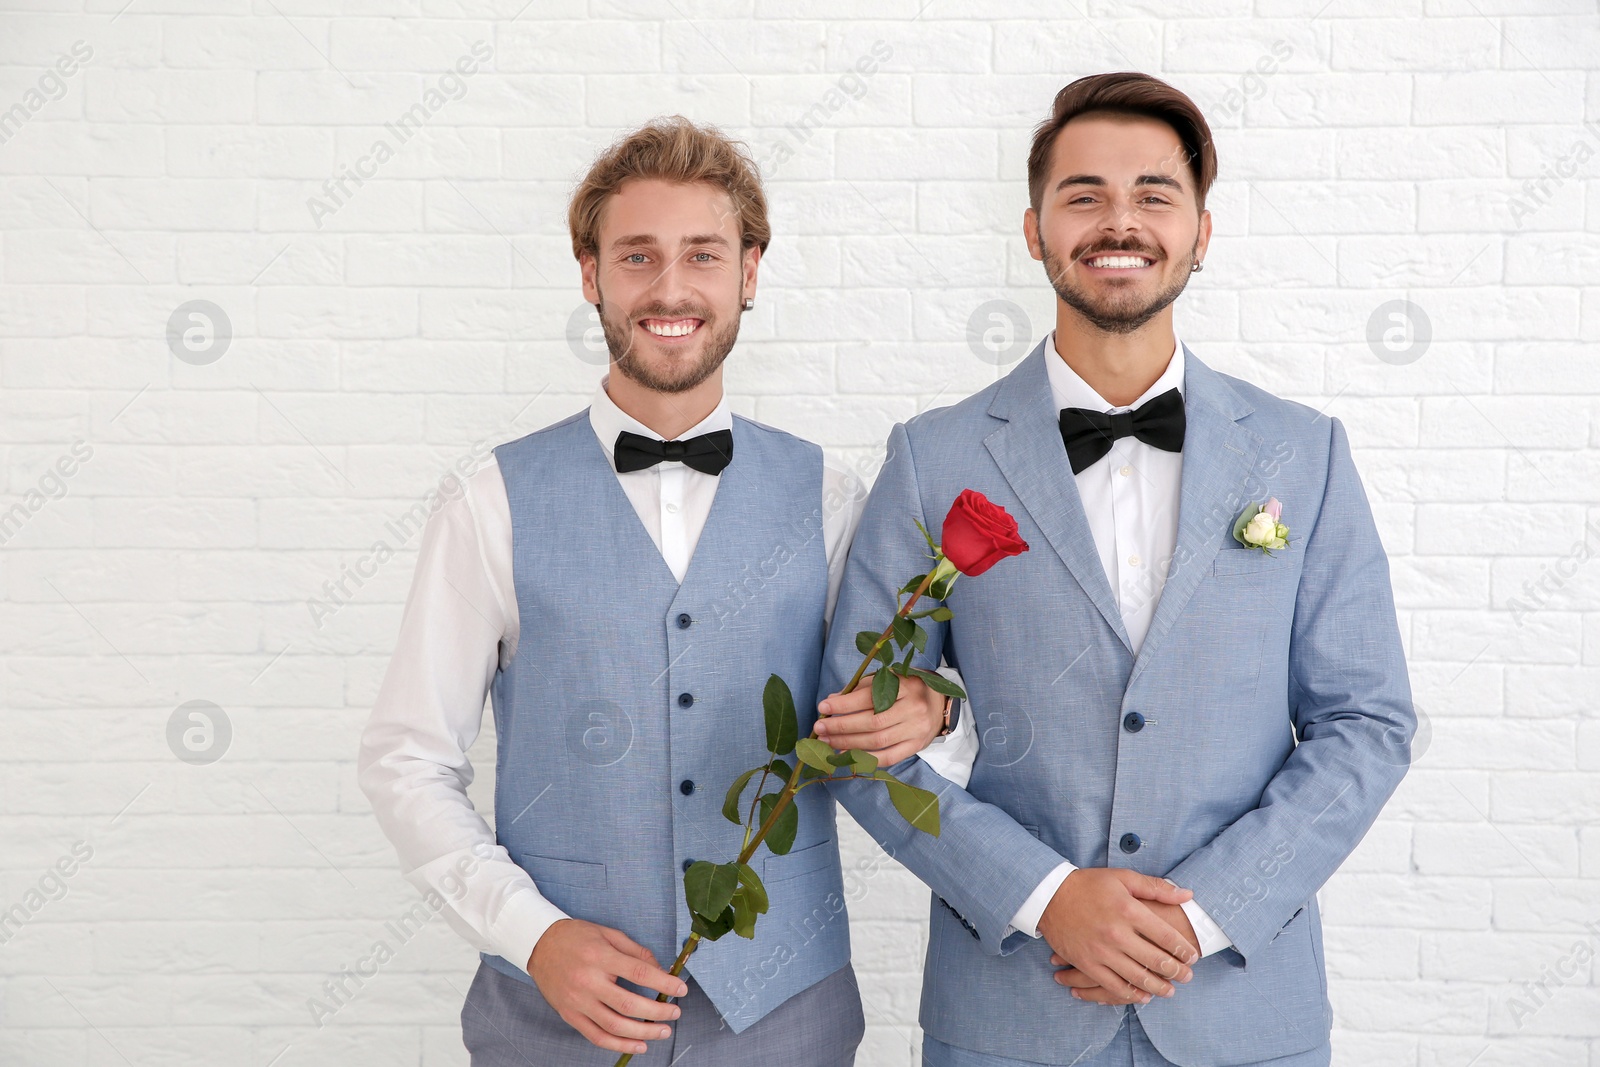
(1243, 753)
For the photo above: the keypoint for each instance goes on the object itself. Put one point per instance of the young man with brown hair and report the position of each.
(1193, 698)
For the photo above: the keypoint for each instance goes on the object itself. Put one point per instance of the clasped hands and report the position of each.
(1119, 936)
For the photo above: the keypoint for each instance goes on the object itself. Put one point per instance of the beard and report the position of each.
(673, 375)
(1123, 311)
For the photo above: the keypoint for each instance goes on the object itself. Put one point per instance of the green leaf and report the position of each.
(919, 637)
(780, 839)
(744, 916)
(865, 639)
(708, 887)
(863, 761)
(939, 683)
(940, 588)
(941, 614)
(918, 807)
(754, 891)
(911, 586)
(712, 930)
(841, 759)
(783, 729)
(904, 630)
(885, 688)
(926, 536)
(809, 773)
(814, 752)
(730, 805)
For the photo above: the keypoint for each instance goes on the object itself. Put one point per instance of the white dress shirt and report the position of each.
(1130, 497)
(461, 624)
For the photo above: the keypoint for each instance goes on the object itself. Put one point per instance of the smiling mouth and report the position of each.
(1118, 261)
(672, 329)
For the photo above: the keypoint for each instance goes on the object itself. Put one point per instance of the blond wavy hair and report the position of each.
(671, 149)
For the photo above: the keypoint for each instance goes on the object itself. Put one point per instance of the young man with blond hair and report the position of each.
(592, 579)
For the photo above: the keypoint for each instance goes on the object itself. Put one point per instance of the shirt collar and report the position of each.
(608, 420)
(1071, 391)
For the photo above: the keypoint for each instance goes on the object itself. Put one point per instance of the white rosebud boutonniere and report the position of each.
(1259, 527)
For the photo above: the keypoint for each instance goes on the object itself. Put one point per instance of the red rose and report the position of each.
(979, 533)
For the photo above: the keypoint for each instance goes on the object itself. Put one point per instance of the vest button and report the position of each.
(685, 700)
(686, 787)
(686, 865)
(1133, 722)
(684, 620)
(1130, 842)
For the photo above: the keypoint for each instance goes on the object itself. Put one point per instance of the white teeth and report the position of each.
(676, 329)
(1119, 261)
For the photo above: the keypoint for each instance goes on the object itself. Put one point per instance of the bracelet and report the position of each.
(945, 730)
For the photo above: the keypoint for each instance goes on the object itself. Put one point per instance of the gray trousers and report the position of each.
(1130, 1047)
(506, 1023)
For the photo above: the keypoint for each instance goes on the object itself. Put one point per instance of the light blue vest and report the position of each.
(632, 703)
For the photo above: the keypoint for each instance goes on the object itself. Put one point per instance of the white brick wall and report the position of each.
(1371, 150)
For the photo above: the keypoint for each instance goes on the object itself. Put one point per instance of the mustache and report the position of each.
(659, 311)
(1135, 249)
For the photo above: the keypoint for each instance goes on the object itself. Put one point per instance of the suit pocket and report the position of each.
(551, 870)
(1250, 562)
(811, 858)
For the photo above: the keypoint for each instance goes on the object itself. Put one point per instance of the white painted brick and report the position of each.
(169, 96)
(1414, 44)
(1425, 149)
(232, 44)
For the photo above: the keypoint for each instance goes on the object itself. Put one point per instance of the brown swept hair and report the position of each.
(671, 149)
(1128, 93)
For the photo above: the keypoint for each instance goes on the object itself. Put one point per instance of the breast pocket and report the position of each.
(811, 858)
(1251, 562)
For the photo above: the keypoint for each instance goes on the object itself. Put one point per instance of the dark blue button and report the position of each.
(686, 865)
(685, 699)
(1133, 722)
(686, 787)
(1130, 842)
(684, 620)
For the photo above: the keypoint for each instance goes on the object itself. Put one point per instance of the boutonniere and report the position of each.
(1258, 526)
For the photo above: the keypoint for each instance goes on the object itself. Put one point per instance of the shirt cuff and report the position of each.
(1206, 931)
(1027, 917)
(493, 903)
(516, 930)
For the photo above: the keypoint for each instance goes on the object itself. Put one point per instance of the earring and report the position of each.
(749, 302)
(1196, 267)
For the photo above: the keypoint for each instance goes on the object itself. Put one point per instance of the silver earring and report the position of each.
(1196, 267)
(749, 302)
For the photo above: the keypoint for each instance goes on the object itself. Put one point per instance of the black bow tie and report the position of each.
(1088, 433)
(708, 453)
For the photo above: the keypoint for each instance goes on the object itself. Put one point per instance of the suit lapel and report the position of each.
(1030, 454)
(1218, 455)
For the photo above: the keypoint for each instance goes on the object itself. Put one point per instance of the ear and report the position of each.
(751, 262)
(1030, 231)
(1203, 239)
(590, 268)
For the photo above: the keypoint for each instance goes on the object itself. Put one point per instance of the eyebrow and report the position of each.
(1143, 179)
(691, 239)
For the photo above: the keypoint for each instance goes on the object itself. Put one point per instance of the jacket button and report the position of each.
(685, 699)
(684, 620)
(686, 865)
(1133, 722)
(1130, 842)
(686, 787)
